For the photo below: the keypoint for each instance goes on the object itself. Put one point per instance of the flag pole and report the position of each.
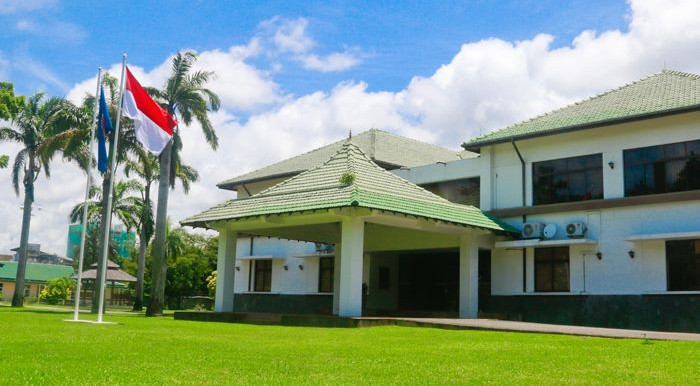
(86, 203)
(112, 170)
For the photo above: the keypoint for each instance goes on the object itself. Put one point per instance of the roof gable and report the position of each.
(381, 146)
(348, 179)
(666, 92)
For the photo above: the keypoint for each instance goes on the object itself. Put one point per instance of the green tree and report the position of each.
(185, 96)
(147, 169)
(43, 129)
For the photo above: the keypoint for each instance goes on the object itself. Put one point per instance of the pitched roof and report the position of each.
(383, 147)
(35, 273)
(663, 93)
(113, 273)
(348, 179)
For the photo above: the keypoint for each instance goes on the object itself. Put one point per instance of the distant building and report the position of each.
(123, 238)
(36, 277)
(36, 255)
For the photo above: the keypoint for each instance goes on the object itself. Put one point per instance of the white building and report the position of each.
(620, 172)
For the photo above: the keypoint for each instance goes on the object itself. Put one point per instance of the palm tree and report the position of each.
(147, 169)
(186, 97)
(125, 207)
(44, 129)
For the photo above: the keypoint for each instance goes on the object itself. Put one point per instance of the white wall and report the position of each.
(616, 273)
(291, 281)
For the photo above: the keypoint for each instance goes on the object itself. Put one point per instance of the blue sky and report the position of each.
(396, 39)
(293, 76)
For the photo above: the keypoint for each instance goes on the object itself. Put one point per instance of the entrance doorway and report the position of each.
(428, 282)
(484, 279)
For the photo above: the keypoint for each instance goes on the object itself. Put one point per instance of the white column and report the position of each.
(336, 278)
(468, 277)
(225, 271)
(350, 291)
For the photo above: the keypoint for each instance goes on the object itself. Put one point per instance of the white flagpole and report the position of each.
(112, 170)
(87, 198)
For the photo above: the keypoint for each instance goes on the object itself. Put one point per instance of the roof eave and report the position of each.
(230, 185)
(476, 146)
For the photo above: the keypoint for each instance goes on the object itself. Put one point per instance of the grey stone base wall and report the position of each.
(284, 304)
(680, 313)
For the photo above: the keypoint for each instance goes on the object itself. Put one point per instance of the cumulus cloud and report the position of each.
(289, 36)
(59, 32)
(488, 84)
(18, 6)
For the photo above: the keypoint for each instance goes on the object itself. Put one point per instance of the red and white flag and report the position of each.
(154, 126)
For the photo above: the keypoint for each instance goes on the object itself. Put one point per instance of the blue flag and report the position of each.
(104, 126)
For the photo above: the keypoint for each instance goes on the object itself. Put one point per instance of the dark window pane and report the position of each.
(683, 265)
(325, 275)
(594, 184)
(464, 191)
(674, 182)
(263, 275)
(568, 179)
(693, 148)
(664, 168)
(552, 269)
(674, 150)
(560, 185)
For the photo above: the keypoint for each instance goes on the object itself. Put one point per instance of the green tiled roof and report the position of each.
(366, 185)
(36, 273)
(384, 148)
(665, 92)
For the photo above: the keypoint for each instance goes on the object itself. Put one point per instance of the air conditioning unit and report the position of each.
(532, 230)
(576, 229)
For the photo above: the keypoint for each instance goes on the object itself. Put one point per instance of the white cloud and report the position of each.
(28, 64)
(488, 84)
(18, 6)
(334, 62)
(60, 32)
(289, 36)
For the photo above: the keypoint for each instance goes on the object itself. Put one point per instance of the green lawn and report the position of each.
(37, 347)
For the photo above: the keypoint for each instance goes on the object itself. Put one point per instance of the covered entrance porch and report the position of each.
(366, 212)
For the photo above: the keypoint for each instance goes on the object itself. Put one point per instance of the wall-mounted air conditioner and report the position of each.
(533, 230)
(576, 229)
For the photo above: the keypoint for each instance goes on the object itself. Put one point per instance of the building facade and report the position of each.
(605, 193)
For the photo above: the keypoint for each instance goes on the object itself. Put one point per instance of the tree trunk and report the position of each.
(18, 296)
(104, 219)
(159, 268)
(138, 298)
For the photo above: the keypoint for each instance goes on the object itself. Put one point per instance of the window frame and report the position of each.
(658, 167)
(552, 260)
(266, 272)
(584, 171)
(321, 269)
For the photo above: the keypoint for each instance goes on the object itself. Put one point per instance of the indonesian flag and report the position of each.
(154, 126)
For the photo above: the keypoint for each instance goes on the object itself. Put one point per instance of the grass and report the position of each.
(37, 347)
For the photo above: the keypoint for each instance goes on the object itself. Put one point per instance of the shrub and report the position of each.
(57, 290)
(211, 284)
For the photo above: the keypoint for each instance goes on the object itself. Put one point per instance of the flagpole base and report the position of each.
(88, 321)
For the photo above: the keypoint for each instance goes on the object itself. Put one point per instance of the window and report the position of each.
(666, 168)
(683, 265)
(1, 289)
(552, 269)
(27, 290)
(325, 274)
(384, 282)
(464, 191)
(263, 275)
(568, 179)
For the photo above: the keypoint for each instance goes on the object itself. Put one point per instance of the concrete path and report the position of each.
(504, 325)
